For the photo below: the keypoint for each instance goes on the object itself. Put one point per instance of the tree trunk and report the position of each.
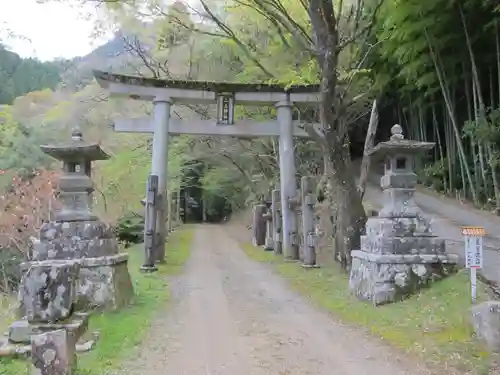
(350, 214)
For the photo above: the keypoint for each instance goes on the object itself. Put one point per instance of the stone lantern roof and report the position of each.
(398, 145)
(76, 150)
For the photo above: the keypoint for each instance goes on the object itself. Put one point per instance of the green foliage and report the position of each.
(18, 145)
(434, 175)
(485, 129)
(20, 76)
(10, 274)
(404, 47)
(124, 180)
(176, 28)
(130, 228)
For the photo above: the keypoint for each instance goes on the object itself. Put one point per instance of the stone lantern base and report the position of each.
(383, 279)
(395, 260)
(104, 280)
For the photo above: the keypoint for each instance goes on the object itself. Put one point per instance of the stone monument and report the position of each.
(399, 254)
(77, 234)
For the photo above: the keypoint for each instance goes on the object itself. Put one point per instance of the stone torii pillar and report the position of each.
(159, 167)
(287, 180)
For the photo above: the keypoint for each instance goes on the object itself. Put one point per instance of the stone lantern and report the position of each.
(76, 233)
(399, 254)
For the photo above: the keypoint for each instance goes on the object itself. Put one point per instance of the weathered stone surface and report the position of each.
(486, 322)
(71, 240)
(74, 248)
(86, 230)
(399, 203)
(103, 282)
(22, 330)
(105, 285)
(398, 254)
(398, 227)
(48, 290)
(382, 244)
(93, 245)
(387, 278)
(53, 353)
(399, 180)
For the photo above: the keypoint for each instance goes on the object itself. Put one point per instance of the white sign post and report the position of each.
(473, 237)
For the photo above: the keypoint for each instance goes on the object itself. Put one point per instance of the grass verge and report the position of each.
(123, 330)
(433, 325)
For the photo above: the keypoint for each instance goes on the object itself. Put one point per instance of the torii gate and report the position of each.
(164, 93)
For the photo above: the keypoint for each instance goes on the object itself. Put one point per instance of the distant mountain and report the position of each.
(19, 76)
(108, 55)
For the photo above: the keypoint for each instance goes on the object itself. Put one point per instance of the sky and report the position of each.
(52, 30)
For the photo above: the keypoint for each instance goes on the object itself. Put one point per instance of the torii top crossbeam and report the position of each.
(201, 91)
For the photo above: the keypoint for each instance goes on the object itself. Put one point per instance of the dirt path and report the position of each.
(233, 316)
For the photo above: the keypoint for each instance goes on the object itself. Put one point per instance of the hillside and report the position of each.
(110, 55)
(19, 76)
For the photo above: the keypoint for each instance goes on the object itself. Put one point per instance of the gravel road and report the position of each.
(233, 316)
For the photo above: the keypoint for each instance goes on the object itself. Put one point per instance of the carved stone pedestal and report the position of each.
(385, 278)
(104, 279)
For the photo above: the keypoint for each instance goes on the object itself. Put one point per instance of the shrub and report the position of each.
(130, 228)
(10, 273)
(23, 208)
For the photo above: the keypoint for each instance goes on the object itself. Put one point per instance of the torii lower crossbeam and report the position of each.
(245, 129)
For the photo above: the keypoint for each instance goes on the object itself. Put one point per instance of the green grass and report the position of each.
(122, 331)
(433, 325)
